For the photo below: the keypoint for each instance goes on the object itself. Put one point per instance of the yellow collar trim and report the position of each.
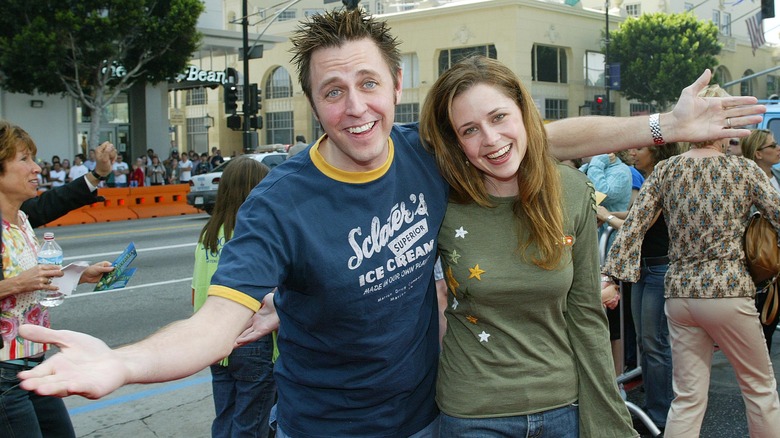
(346, 176)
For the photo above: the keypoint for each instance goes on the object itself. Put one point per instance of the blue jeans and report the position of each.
(244, 391)
(556, 423)
(429, 431)
(25, 414)
(652, 332)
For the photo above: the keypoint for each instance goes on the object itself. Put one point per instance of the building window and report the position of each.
(634, 10)
(278, 85)
(316, 130)
(555, 109)
(746, 87)
(772, 86)
(231, 24)
(638, 109)
(279, 127)
(716, 18)
(287, 15)
(549, 64)
(452, 56)
(366, 6)
(196, 96)
(411, 70)
(308, 13)
(725, 24)
(379, 7)
(594, 69)
(407, 112)
(406, 5)
(197, 134)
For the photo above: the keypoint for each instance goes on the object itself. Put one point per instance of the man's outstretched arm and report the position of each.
(692, 119)
(86, 366)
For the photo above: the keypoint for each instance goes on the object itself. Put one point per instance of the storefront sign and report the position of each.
(195, 74)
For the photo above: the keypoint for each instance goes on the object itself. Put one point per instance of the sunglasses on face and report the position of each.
(771, 145)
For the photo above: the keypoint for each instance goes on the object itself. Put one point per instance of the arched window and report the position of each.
(278, 85)
(746, 87)
(722, 75)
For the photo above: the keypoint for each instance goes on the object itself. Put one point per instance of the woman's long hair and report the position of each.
(538, 204)
(240, 176)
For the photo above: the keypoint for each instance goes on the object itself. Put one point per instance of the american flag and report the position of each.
(755, 27)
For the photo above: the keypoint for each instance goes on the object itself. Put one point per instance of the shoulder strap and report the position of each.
(771, 305)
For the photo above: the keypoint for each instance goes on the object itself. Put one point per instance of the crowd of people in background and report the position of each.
(145, 170)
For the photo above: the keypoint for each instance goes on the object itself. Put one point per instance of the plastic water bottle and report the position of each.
(50, 253)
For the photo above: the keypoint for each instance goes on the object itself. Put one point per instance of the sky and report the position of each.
(772, 30)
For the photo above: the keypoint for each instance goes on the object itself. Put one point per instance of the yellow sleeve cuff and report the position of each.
(236, 296)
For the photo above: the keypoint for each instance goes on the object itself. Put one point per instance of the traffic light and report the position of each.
(256, 122)
(234, 122)
(255, 97)
(231, 98)
(598, 104)
(767, 9)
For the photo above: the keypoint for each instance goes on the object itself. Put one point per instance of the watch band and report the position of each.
(97, 175)
(610, 217)
(655, 129)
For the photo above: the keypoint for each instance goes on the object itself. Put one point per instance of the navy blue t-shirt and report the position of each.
(352, 255)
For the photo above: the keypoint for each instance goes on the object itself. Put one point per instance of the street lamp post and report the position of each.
(247, 135)
(607, 79)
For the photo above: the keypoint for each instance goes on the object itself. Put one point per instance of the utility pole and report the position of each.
(247, 135)
(607, 79)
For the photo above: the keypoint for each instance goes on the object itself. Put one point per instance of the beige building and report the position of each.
(555, 48)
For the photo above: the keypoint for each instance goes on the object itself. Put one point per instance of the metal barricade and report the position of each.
(626, 375)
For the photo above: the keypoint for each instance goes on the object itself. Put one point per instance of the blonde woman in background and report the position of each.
(761, 147)
(709, 292)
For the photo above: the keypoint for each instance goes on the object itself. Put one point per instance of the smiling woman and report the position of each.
(518, 244)
(26, 414)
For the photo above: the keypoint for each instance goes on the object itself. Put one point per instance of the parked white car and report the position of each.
(203, 188)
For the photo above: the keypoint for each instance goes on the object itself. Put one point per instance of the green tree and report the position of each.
(92, 50)
(660, 54)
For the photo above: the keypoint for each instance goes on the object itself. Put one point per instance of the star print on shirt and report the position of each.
(460, 232)
(483, 337)
(452, 283)
(454, 256)
(455, 304)
(472, 319)
(475, 272)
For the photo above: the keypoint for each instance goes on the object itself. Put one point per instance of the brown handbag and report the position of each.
(762, 255)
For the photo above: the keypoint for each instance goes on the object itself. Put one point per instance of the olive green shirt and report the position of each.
(521, 339)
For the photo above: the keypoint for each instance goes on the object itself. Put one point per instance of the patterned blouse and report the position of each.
(706, 203)
(19, 252)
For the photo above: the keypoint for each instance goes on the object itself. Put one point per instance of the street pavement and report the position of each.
(184, 408)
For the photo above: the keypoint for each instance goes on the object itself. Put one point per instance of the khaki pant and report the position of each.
(732, 323)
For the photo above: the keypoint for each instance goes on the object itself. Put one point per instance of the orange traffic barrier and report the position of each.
(131, 203)
(74, 217)
(159, 201)
(115, 207)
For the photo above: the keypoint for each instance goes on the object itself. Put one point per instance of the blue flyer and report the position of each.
(122, 272)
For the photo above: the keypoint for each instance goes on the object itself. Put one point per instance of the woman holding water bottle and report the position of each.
(24, 281)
